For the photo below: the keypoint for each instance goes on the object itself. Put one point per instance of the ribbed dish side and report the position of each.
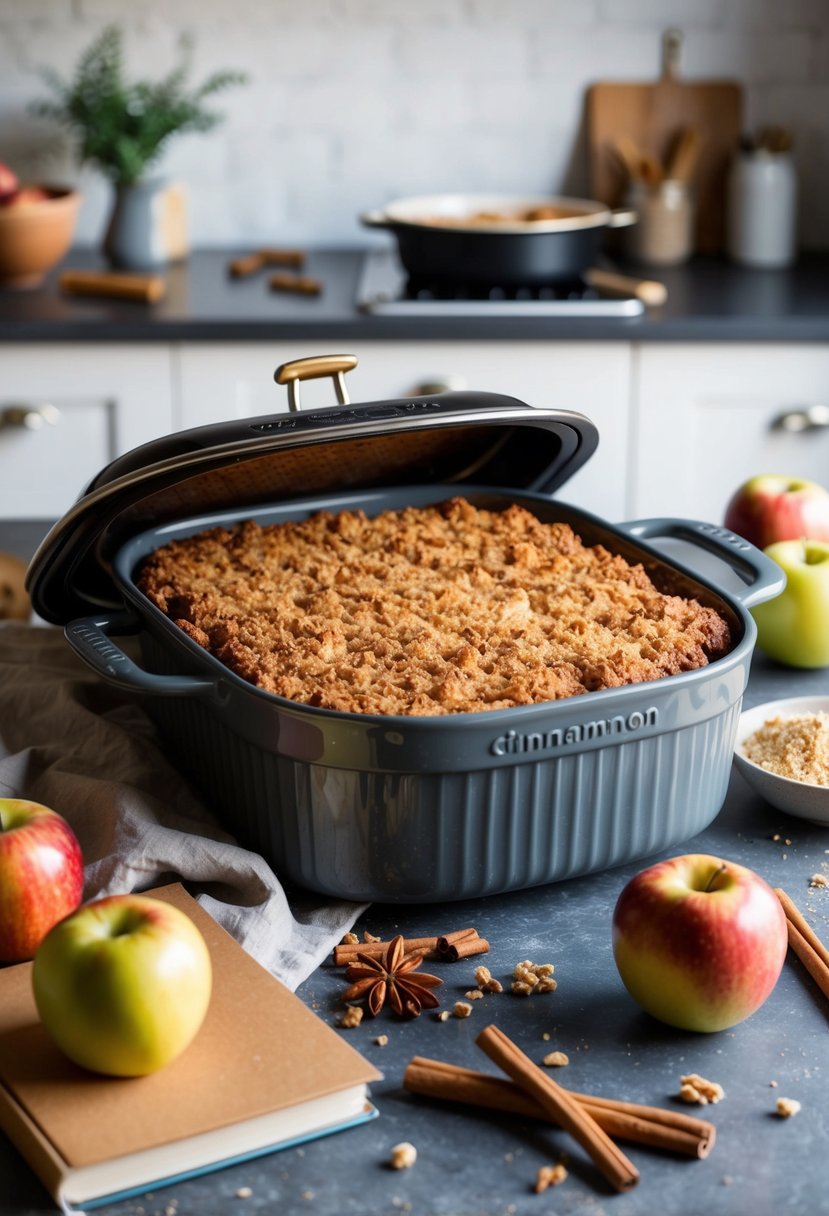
(425, 837)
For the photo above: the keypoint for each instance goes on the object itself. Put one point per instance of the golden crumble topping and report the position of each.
(426, 610)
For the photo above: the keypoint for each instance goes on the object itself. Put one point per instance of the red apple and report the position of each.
(699, 942)
(9, 183)
(41, 875)
(25, 196)
(772, 507)
(123, 984)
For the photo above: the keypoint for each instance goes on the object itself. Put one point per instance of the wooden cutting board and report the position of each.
(652, 115)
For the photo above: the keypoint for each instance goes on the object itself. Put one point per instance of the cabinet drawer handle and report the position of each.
(805, 418)
(29, 417)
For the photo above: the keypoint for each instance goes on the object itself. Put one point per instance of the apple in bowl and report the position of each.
(41, 875)
(122, 985)
(699, 942)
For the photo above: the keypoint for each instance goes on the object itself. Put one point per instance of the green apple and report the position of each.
(793, 628)
(122, 985)
(699, 942)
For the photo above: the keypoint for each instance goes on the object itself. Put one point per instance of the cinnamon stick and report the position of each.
(805, 942)
(241, 268)
(461, 944)
(561, 1107)
(144, 288)
(648, 1125)
(299, 284)
(346, 952)
(282, 257)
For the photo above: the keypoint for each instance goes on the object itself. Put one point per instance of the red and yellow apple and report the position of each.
(772, 507)
(9, 182)
(123, 984)
(41, 875)
(793, 628)
(698, 941)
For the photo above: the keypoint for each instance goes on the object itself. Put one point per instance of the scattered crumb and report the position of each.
(349, 939)
(403, 1156)
(549, 1175)
(786, 1107)
(443, 1016)
(307, 1195)
(382, 1040)
(694, 1088)
(171, 1208)
(556, 1059)
(530, 977)
(484, 980)
(244, 1192)
(462, 1009)
(819, 880)
(773, 1084)
(474, 994)
(546, 1036)
(352, 1017)
(369, 937)
(727, 1180)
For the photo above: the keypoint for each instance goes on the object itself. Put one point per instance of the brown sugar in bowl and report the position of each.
(35, 234)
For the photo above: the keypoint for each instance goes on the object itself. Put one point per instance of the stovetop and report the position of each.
(385, 289)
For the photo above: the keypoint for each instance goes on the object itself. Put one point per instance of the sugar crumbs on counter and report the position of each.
(796, 747)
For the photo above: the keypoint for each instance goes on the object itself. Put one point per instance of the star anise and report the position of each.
(391, 979)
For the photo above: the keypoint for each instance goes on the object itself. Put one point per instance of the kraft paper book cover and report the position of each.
(264, 1072)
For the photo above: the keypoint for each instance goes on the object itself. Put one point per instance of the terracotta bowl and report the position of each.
(35, 233)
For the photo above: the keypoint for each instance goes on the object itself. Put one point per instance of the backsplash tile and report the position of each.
(353, 102)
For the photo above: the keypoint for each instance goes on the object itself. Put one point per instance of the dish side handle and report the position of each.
(763, 578)
(90, 638)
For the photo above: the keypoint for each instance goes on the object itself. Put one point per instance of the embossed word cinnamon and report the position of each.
(805, 943)
(647, 1125)
(561, 1106)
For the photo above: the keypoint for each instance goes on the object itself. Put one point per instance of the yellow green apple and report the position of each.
(793, 628)
(698, 941)
(41, 875)
(123, 984)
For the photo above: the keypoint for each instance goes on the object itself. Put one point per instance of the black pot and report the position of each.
(477, 238)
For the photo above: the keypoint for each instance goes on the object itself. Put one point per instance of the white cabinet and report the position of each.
(706, 417)
(592, 378)
(67, 410)
(680, 424)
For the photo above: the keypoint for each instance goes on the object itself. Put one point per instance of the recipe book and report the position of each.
(263, 1073)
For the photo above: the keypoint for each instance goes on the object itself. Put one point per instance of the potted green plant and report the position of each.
(122, 128)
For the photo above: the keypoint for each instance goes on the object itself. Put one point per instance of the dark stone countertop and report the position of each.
(709, 300)
(479, 1164)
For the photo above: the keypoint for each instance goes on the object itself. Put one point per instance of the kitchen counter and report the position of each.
(477, 1164)
(708, 300)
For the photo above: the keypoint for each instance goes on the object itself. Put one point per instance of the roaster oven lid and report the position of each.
(453, 438)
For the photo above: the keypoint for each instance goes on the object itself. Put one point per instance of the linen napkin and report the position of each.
(85, 749)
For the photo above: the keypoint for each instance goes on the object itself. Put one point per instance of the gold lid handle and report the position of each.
(315, 368)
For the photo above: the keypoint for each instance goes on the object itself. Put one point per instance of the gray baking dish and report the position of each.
(403, 809)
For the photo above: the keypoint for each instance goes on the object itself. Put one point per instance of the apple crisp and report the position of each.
(426, 610)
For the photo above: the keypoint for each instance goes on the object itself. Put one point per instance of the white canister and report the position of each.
(761, 228)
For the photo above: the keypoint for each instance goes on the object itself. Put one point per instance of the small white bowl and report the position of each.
(794, 797)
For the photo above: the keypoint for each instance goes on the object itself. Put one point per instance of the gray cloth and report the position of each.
(83, 748)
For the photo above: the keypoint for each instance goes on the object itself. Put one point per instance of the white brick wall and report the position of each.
(354, 102)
